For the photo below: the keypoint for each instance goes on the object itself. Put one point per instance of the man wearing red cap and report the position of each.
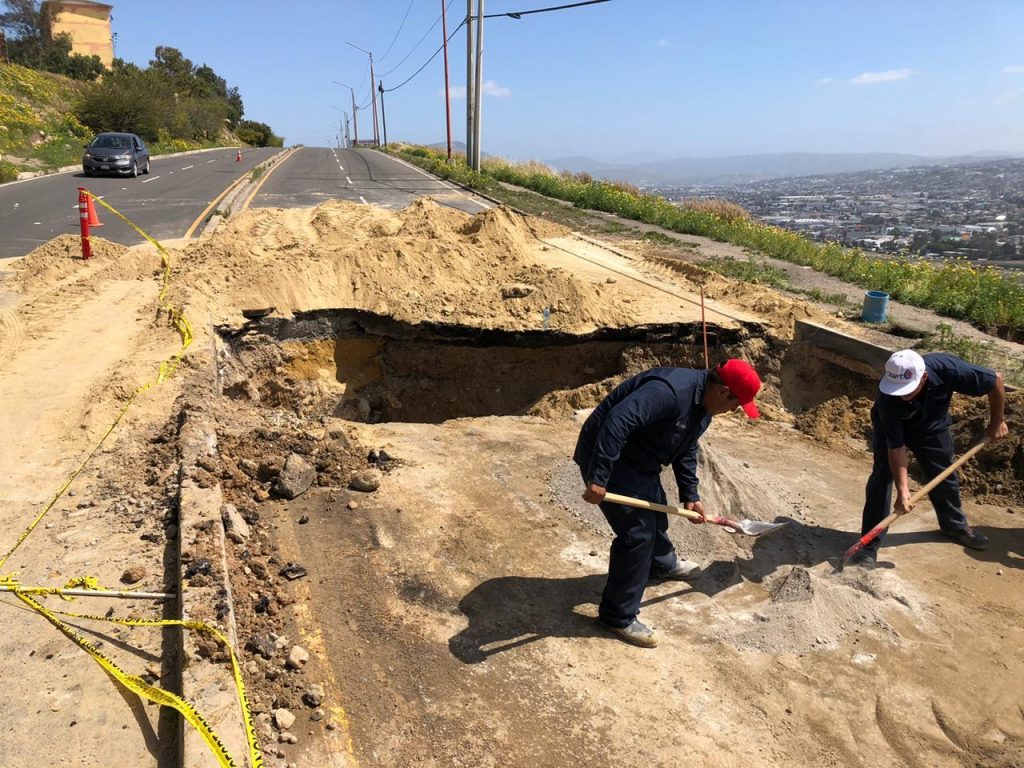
(649, 421)
(912, 411)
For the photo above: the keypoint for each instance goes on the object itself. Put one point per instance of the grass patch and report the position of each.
(659, 238)
(987, 297)
(840, 300)
(752, 270)
(257, 173)
(945, 339)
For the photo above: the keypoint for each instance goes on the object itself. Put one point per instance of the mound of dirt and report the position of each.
(57, 259)
(838, 422)
(996, 474)
(425, 262)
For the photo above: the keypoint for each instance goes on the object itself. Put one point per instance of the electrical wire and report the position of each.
(397, 33)
(418, 44)
(434, 56)
(517, 14)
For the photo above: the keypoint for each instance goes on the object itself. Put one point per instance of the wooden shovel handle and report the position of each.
(920, 494)
(629, 501)
(874, 533)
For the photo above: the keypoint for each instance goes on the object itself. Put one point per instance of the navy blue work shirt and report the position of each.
(649, 421)
(928, 413)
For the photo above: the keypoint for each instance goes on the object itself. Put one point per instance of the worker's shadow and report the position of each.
(1006, 545)
(512, 611)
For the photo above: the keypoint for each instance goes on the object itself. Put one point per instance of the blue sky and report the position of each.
(665, 77)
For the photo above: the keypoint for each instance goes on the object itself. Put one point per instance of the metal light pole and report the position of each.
(470, 129)
(383, 115)
(447, 89)
(373, 92)
(355, 120)
(478, 85)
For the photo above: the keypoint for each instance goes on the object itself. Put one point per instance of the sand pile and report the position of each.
(58, 259)
(426, 262)
(839, 422)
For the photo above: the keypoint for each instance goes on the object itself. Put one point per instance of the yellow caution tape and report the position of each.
(133, 682)
(159, 695)
(167, 368)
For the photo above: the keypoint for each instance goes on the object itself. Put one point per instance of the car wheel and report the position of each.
(135, 169)
(146, 168)
(87, 172)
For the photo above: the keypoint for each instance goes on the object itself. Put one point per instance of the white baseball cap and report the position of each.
(903, 373)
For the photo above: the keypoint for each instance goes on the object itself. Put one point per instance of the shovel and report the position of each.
(749, 527)
(874, 533)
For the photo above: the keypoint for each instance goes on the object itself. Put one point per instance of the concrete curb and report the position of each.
(202, 551)
(244, 188)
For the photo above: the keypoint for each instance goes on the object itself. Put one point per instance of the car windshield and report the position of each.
(111, 142)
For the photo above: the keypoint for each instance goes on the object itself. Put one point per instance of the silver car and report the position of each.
(118, 153)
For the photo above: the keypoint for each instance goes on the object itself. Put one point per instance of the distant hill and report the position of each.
(746, 168)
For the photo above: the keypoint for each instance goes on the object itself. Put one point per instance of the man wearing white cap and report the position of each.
(912, 411)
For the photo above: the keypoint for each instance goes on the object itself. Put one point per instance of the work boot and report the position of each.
(685, 570)
(969, 537)
(635, 634)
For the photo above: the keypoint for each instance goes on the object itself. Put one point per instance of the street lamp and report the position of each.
(355, 118)
(373, 91)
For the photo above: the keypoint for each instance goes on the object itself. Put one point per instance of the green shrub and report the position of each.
(8, 172)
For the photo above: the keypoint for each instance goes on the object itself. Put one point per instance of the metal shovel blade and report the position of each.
(753, 527)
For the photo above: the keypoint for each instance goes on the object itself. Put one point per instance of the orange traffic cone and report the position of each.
(238, 157)
(93, 219)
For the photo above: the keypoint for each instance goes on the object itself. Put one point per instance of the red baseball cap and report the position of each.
(742, 380)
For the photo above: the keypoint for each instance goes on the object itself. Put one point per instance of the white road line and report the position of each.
(153, 178)
(211, 161)
(348, 179)
(187, 167)
(363, 200)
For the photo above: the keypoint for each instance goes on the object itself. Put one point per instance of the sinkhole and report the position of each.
(372, 368)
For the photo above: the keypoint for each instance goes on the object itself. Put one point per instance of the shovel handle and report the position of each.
(668, 509)
(875, 532)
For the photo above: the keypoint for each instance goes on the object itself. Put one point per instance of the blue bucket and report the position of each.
(876, 305)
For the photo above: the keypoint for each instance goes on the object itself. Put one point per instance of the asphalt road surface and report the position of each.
(315, 174)
(164, 203)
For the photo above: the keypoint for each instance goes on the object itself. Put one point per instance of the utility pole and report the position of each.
(447, 89)
(470, 129)
(373, 94)
(478, 85)
(383, 115)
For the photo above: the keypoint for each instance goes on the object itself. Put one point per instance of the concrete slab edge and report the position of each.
(205, 596)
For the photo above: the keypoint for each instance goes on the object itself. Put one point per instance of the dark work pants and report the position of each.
(641, 550)
(934, 452)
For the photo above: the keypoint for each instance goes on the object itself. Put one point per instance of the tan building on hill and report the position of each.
(88, 24)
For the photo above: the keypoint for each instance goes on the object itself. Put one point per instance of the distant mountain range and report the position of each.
(748, 168)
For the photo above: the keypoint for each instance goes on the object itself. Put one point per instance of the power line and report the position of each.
(398, 32)
(434, 56)
(517, 14)
(418, 44)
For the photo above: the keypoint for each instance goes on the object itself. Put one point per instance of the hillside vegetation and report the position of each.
(985, 296)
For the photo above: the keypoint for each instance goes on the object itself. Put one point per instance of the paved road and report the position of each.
(164, 203)
(315, 174)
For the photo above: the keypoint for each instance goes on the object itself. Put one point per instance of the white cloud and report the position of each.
(871, 78)
(491, 88)
(823, 81)
(1013, 70)
(663, 43)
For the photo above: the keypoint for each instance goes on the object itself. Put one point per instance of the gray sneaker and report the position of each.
(685, 570)
(635, 634)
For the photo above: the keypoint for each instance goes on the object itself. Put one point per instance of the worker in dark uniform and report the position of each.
(912, 411)
(651, 420)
